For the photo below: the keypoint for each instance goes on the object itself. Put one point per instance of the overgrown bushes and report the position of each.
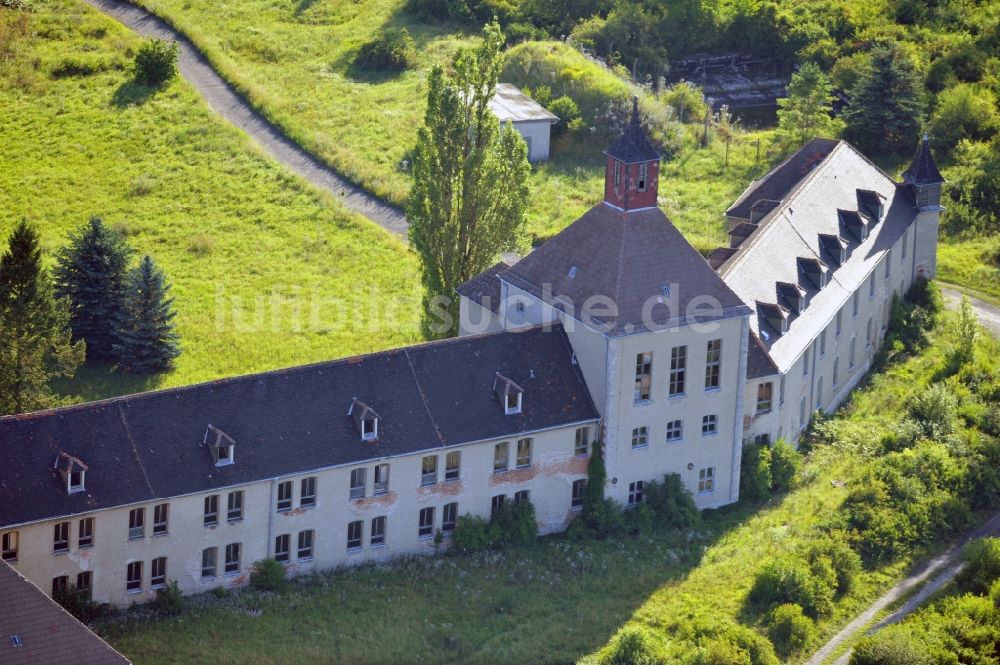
(765, 469)
(268, 575)
(789, 629)
(156, 62)
(393, 50)
(513, 524)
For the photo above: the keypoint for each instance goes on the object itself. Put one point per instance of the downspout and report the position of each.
(270, 518)
(741, 382)
(610, 415)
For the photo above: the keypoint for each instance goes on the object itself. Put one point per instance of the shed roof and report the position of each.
(509, 103)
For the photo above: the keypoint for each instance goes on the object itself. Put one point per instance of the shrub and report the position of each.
(785, 464)
(934, 410)
(982, 566)
(473, 534)
(755, 473)
(156, 62)
(889, 647)
(515, 524)
(790, 581)
(605, 520)
(393, 50)
(640, 519)
(687, 101)
(964, 111)
(567, 110)
(78, 603)
(672, 502)
(632, 646)
(726, 643)
(789, 629)
(268, 575)
(169, 601)
(843, 561)
(21, 5)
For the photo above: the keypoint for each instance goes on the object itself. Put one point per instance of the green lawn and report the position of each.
(266, 271)
(971, 263)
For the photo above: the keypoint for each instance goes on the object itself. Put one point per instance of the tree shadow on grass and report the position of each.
(132, 93)
(99, 380)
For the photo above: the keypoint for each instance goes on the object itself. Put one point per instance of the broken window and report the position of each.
(643, 376)
(523, 453)
(232, 559)
(282, 548)
(582, 444)
(85, 583)
(158, 573)
(211, 517)
(85, 537)
(500, 456)
(208, 558)
(133, 577)
(764, 391)
(221, 445)
(713, 364)
(365, 419)
(643, 174)
(8, 546)
(709, 424)
(706, 480)
(306, 544)
(378, 532)
(357, 484)
(496, 504)
(428, 472)
(234, 507)
(381, 485)
(576, 500)
(160, 515)
(59, 585)
(136, 523)
(522, 496)
(355, 534)
(307, 497)
(675, 430)
(509, 394)
(640, 437)
(426, 527)
(452, 464)
(284, 496)
(449, 517)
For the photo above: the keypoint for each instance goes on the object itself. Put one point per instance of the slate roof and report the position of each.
(633, 145)
(484, 288)
(146, 446)
(792, 232)
(628, 257)
(923, 170)
(776, 185)
(759, 363)
(509, 103)
(48, 634)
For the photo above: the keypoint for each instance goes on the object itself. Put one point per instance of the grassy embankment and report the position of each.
(553, 602)
(249, 247)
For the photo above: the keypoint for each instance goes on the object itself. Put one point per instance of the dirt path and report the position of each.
(988, 313)
(225, 101)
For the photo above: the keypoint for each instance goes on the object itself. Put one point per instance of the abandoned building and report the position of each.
(681, 362)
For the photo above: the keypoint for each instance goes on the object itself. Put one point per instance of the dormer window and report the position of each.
(72, 471)
(871, 204)
(510, 394)
(221, 445)
(365, 419)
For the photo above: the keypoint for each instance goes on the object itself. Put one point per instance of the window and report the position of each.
(522, 496)
(211, 510)
(496, 504)
(307, 497)
(136, 519)
(643, 172)
(640, 437)
(764, 391)
(369, 429)
(452, 466)
(819, 393)
(358, 482)
(449, 517)
(158, 573)
(713, 363)
(576, 499)
(378, 532)
(306, 537)
(618, 175)
(8, 546)
(706, 480)
(208, 557)
(60, 585)
(582, 443)
(836, 371)
(762, 440)
(512, 403)
(85, 537)
(850, 358)
(85, 583)
(805, 361)
(284, 496)
(282, 548)
(709, 424)
(837, 323)
(643, 373)
(160, 516)
(234, 507)
(781, 390)
(60, 538)
(675, 430)
(854, 305)
(802, 413)
(678, 363)
(500, 457)
(523, 453)
(74, 481)
(635, 492)
(381, 485)
(429, 470)
(822, 343)
(133, 577)
(232, 558)
(426, 528)
(868, 335)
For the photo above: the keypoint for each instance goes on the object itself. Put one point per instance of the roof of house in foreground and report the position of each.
(148, 446)
(35, 630)
(509, 103)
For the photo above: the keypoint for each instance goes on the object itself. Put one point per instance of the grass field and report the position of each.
(551, 603)
(266, 271)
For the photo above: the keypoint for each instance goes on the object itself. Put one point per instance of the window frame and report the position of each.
(378, 525)
(233, 562)
(640, 437)
(706, 480)
(524, 453)
(503, 446)
(581, 449)
(710, 424)
(496, 503)
(60, 537)
(137, 524)
(522, 496)
(428, 477)
(425, 524)
(306, 549)
(635, 492)
(678, 371)
(161, 519)
(234, 507)
(85, 533)
(210, 518)
(359, 483)
(643, 176)
(449, 517)
(154, 574)
(209, 563)
(7, 552)
(60, 585)
(380, 487)
(765, 396)
(283, 548)
(713, 364)
(283, 504)
(579, 487)
(453, 473)
(307, 492)
(85, 582)
(675, 431)
(643, 377)
(133, 577)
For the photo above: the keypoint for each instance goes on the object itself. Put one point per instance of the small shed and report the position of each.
(531, 120)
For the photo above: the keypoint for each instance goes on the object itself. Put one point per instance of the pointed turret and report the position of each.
(633, 164)
(924, 178)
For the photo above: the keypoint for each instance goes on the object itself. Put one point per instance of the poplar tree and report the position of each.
(807, 111)
(91, 272)
(34, 336)
(886, 103)
(147, 341)
(470, 188)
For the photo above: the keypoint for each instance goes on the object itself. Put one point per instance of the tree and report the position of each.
(807, 111)
(968, 329)
(34, 337)
(886, 103)
(147, 341)
(963, 112)
(91, 272)
(470, 186)
(156, 62)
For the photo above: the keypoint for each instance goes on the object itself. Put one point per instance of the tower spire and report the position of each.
(922, 170)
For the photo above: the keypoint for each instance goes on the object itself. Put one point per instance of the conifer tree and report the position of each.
(34, 336)
(91, 272)
(807, 112)
(470, 187)
(147, 341)
(886, 104)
